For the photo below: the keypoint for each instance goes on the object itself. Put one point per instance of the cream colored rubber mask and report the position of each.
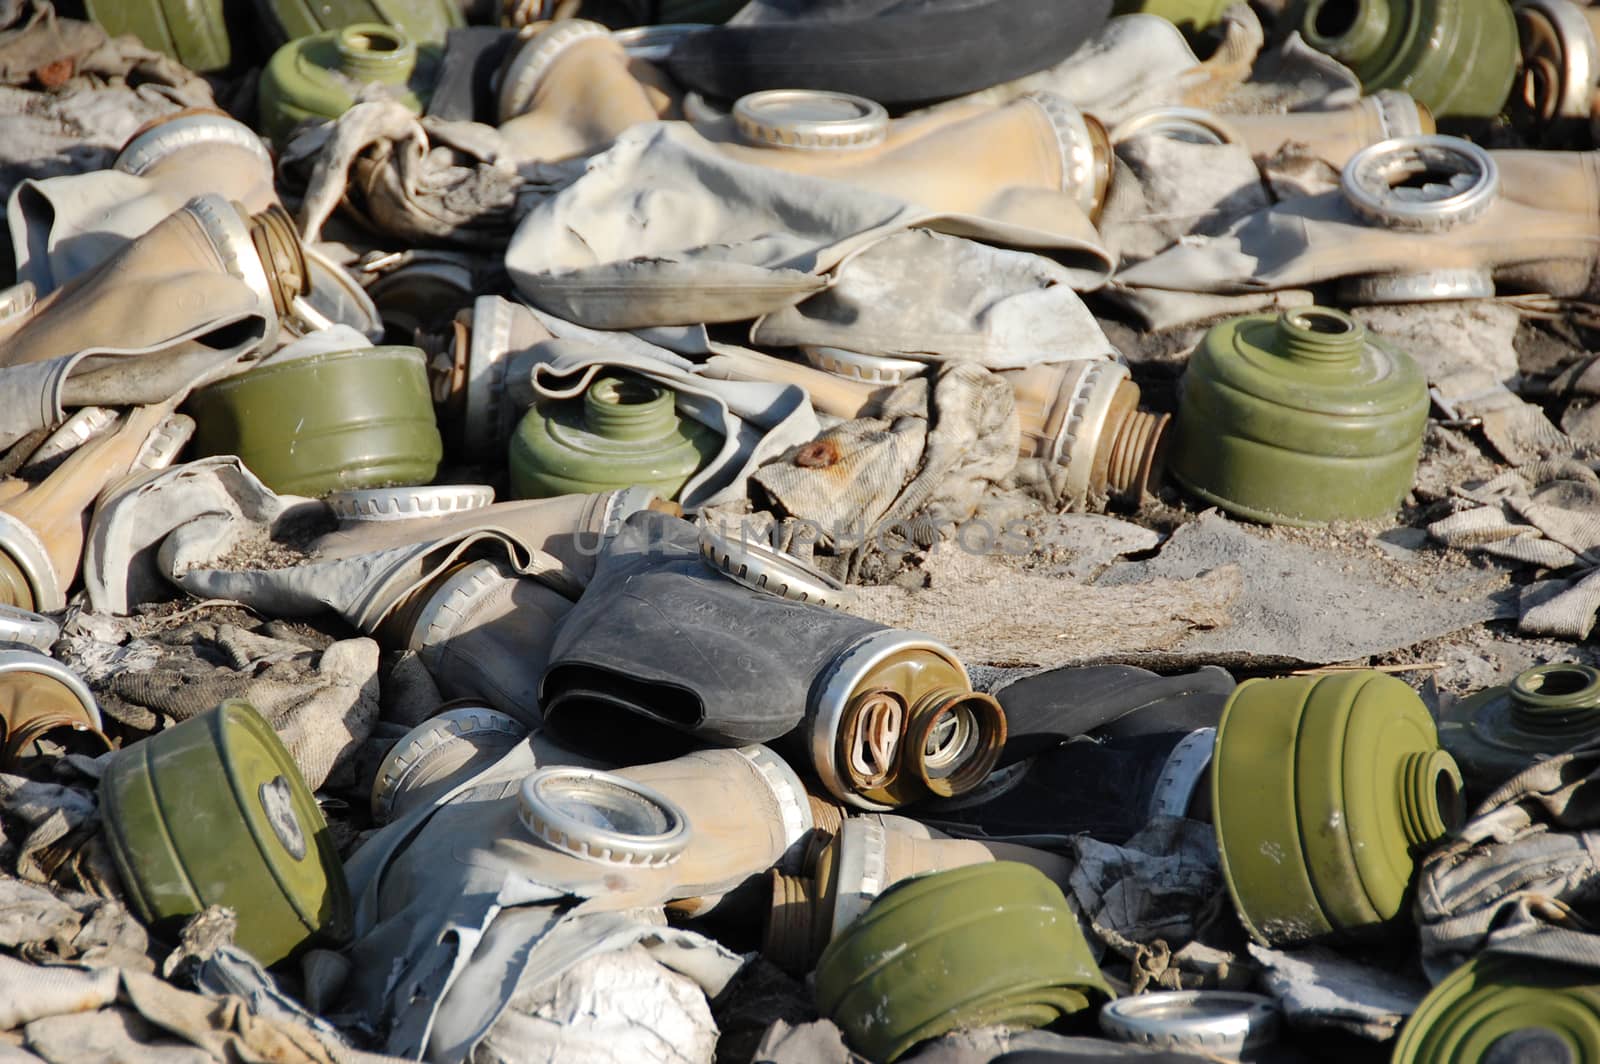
(1531, 219)
(572, 89)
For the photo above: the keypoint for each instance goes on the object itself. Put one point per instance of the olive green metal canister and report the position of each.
(1505, 1010)
(344, 420)
(986, 945)
(1323, 788)
(193, 32)
(1455, 57)
(1299, 419)
(214, 812)
(1189, 14)
(424, 21)
(623, 432)
(320, 76)
(1497, 733)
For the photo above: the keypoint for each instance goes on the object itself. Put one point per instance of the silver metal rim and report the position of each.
(17, 300)
(451, 604)
(763, 569)
(622, 504)
(230, 235)
(487, 349)
(1397, 113)
(1169, 122)
(162, 447)
(408, 504)
(28, 629)
(565, 832)
(787, 790)
(1215, 1020)
(700, 111)
(28, 661)
(418, 745)
(653, 44)
(1435, 287)
(826, 710)
(869, 369)
(1181, 775)
(862, 869)
(153, 145)
(535, 58)
(1077, 146)
(1366, 182)
(25, 548)
(1580, 50)
(760, 121)
(85, 424)
(1079, 438)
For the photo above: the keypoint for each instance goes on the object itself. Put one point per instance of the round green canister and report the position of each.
(339, 421)
(1504, 1010)
(1323, 789)
(1191, 15)
(1497, 733)
(1299, 419)
(623, 432)
(193, 32)
(320, 76)
(986, 945)
(423, 21)
(213, 811)
(1456, 57)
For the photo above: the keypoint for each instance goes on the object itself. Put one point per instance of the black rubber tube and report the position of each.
(897, 52)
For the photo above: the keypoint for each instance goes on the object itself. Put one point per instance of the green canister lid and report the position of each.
(623, 432)
(213, 811)
(1323, 790)
(1545, 711)
(424, 21)
(194, 32)
(986, 945)
(1458, 58)
(339, 421)
(1506, 1010)
(321, 76)
(1299, 419)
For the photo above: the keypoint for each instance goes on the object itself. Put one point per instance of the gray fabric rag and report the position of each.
(417, 180)
(1151, 887)
(48, 927)
(115, 85)
(928, 295)
(54, 836)
(617, 1007)
(1546, 514)
(711, 239)
(1166, 190)
(321, 700)
(1321, 989)
(1467, 349)
(916, 469)
(1520, 876)
(320, 694)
